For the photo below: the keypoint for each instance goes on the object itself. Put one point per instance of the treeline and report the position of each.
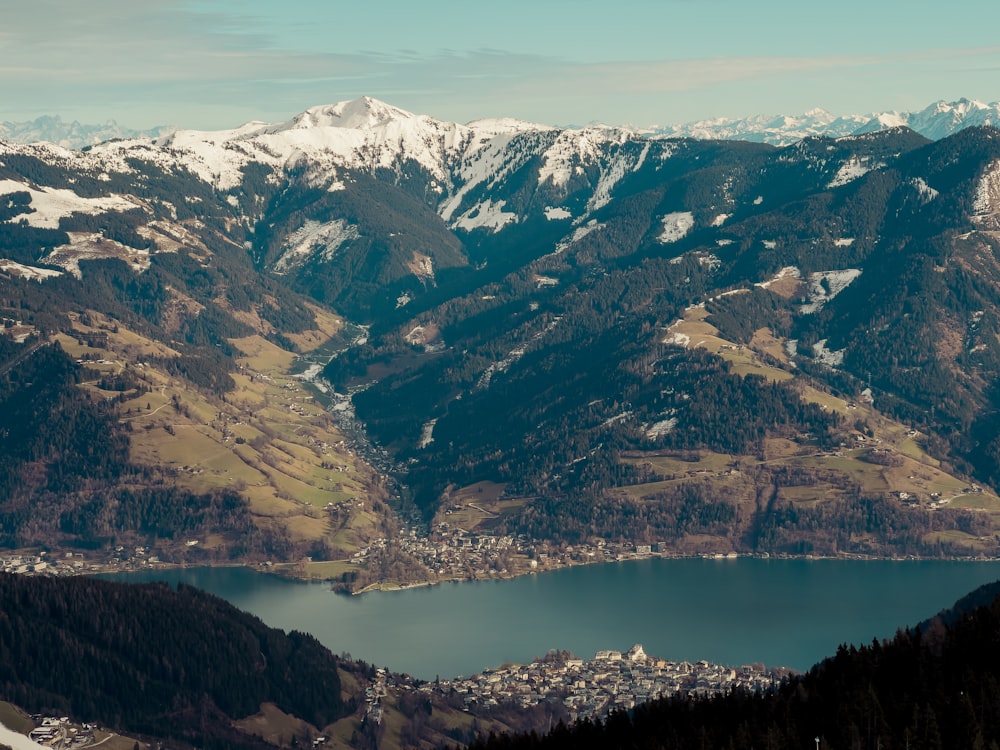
(692, 508)
(866, 525)
(751, 521)
(163, 512)
(933, 688)
(145, 658)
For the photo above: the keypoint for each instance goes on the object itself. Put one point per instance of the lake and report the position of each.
(781, 612)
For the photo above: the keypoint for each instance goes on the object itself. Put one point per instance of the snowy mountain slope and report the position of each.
(472, 175)
(348, 198)
(364, 134)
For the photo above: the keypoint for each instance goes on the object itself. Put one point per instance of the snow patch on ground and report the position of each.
(616, 419)
(987, 200)
(843, 242)
(513, 356)
(17, 741)
(51, 204)
(572, 149)
(488, 215)
(578, 234)
(709, 260)
(94, 246)
(422, 266)
(661, 428)
(851, 170)
(310, 374)
(30, 273)
(314, 239)
(415, 336)
(555, 214)
(769, 244)
(675, 226)
(427, 434)
(827, 356)
(758, 200)
(620, 166)
(719, 220)
(925, 191)
(731, 293)
(820, 293)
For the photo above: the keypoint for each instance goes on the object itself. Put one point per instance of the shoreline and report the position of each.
(389, 586)
(298, 571)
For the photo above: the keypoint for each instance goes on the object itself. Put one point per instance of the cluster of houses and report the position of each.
(452, 553)
(374, 694)
(73, 563)
(611, 680)
(60, 732)
(27, 564)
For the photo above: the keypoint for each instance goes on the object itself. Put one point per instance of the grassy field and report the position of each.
(477, 507)
(276, 727)
(745, 360)
(269, 438)
(318, 571)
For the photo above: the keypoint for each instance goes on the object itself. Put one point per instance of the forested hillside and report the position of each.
(148, 659)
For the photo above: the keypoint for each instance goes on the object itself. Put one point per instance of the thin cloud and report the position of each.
(157, 62)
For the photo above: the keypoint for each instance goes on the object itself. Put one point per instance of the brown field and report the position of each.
(327, 325)
(275, 726)
(477, 507)
(13, 718)
(118, 742)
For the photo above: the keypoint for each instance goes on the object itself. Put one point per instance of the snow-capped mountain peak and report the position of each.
(356, 114)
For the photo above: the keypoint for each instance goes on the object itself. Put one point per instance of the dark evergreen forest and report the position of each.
(149, 659)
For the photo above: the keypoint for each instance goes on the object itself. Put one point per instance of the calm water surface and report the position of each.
(780, 612)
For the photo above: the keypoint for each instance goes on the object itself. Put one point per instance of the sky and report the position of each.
(213, 64)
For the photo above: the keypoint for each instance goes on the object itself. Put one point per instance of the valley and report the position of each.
(566, 346)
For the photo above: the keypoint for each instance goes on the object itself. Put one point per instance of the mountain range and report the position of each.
(52, 129)
(935, 121)
(715, 346)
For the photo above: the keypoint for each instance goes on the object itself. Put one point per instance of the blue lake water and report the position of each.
(781, 612)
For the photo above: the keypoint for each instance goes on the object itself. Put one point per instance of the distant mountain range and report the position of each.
(52, 129)
(934, 121)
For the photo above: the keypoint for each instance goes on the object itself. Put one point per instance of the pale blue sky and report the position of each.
(218, 63)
